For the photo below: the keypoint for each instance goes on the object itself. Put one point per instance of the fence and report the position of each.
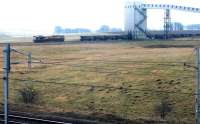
(121, 90)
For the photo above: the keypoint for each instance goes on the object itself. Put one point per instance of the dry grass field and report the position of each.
(106, 80)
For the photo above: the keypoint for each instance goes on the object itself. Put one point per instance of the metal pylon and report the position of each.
(167, 23)
(197, 85)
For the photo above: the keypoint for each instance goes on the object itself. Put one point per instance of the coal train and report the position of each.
(153, 35)
(104, 37)
(118, 36)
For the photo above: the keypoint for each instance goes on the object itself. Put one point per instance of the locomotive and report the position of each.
(46, 39)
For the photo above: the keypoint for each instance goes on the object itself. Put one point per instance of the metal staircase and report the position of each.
(138, 25)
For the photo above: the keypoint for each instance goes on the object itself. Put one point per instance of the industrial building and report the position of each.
(135, 26)
(136, 18)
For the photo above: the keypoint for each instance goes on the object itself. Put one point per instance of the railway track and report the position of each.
(29, 119)
(14, 119)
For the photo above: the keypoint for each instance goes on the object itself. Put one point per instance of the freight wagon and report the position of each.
(104, 37)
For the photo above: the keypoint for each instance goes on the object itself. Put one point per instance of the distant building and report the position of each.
(176, 26)
(193, 27)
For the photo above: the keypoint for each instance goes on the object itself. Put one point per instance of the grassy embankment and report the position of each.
(139, 74)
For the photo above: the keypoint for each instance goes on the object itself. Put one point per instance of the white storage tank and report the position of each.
(134, 15)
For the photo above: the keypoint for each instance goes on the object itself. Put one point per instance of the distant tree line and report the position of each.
(106, 28)
(60, 30)
(102, 29)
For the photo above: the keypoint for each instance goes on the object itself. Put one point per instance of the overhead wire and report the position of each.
(25, 54)
(62, 62)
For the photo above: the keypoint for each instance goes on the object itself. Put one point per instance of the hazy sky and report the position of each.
(42, 15)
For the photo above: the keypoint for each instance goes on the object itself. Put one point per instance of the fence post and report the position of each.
(6, 69)
(197, 87)
(29, 61)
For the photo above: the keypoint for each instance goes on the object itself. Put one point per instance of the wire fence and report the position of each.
(108, 97)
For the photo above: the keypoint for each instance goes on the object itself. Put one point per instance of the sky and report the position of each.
(41, 16)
